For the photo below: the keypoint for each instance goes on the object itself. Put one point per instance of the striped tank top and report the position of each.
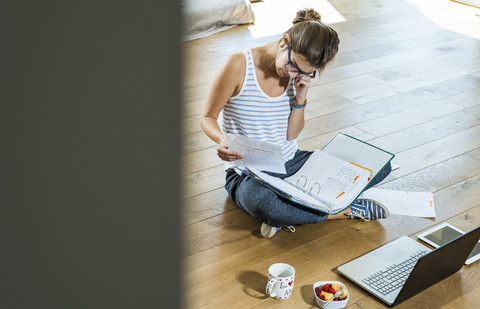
(254, 114)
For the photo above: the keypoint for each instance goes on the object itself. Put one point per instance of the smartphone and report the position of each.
(444, 233)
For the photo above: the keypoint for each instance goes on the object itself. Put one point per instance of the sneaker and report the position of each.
(268, 231)
(368, 210)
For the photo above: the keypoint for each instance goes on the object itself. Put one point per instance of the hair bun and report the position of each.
(305, 15)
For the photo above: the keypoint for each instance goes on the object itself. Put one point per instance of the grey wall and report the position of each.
(89, 154)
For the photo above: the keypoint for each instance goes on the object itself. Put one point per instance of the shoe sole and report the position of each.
(267, 232)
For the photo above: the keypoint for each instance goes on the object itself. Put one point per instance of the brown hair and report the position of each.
(312, 39)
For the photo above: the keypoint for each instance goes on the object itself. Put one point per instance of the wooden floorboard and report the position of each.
(407, 79)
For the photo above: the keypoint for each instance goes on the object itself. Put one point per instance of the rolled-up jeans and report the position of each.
(266, 205)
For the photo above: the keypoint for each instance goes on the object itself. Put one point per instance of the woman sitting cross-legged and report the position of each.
(261, 93)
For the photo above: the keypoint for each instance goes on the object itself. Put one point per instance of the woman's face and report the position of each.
(290, 64)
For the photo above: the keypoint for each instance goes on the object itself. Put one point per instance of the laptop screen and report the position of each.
(439, 264)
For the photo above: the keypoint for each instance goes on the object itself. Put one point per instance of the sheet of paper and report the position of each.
(257, 154)
(418, 204)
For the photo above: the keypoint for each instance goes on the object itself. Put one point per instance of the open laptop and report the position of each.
(402, 268)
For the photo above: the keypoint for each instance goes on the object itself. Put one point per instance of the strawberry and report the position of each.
(331, 290)
(326, 287)
(321, 297)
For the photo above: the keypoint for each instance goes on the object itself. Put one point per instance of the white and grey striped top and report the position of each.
(254, 114)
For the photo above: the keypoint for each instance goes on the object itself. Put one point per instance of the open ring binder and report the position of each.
(318, 191)
(331, 179)
(298, 180)
(302, 187)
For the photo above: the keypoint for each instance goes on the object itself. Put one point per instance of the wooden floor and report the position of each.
(402, 81)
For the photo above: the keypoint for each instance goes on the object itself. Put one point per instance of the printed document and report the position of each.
(257, 154)
(418, 204)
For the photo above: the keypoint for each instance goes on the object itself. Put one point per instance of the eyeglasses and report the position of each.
(292, 67)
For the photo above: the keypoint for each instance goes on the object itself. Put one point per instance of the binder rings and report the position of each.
(332, 178)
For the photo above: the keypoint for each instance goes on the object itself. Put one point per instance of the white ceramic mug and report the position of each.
(281, 277)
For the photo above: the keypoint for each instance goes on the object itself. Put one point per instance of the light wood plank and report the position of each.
(439, 150)
(409, 117)
(431, 63)
(467, 98)
(422, 133)
(410, 83)
(207, 205)
(204, 181)
(348, 117)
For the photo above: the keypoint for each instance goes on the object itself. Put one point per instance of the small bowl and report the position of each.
(333, 304)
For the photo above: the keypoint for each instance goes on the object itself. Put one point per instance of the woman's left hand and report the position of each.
(302, 83)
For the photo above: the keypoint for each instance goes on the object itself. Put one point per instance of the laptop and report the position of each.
(404, 267)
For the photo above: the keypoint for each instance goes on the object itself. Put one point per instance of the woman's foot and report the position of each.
(367, 210)
(268, 231)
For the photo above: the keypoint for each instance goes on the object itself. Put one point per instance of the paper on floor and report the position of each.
(418, 204)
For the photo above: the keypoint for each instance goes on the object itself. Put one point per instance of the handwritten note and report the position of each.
(418, 204)
(257, 154)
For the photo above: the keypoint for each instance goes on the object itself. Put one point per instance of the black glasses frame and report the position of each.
(292, 67)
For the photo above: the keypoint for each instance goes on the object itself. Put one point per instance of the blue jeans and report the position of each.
(271, 208)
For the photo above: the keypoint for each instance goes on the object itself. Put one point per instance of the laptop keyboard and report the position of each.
(386, 281)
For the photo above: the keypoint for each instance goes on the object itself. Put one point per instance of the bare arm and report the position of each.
(296, 121)
(226, 83)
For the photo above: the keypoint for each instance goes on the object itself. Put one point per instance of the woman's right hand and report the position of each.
(224, 152)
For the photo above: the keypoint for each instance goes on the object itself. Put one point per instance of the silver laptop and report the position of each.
(400, 269)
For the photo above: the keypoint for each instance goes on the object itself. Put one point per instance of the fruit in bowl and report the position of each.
(328, 291)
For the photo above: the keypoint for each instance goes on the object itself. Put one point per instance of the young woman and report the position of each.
(261, 94)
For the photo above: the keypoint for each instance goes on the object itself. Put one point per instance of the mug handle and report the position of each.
(269, 287)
